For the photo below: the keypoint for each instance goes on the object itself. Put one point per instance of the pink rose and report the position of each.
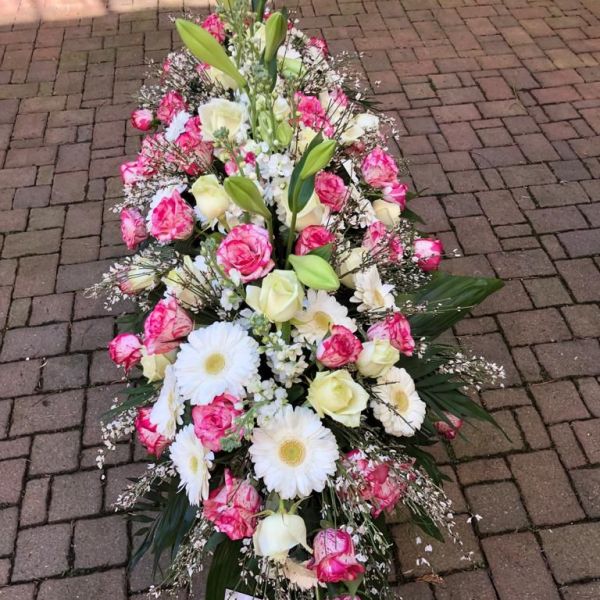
(247, 249)
(153, 441)
(165, 326)
(379, 485)
(142, 119)
(172, 219)
(215, 27)
(380, 240)
(170, 104)
(379, 168)
(233, 508)
(216, 420)
(396, 329)
(311, 237)
(340, 348)
(449, 430)
(126, 350)
(320, 44)
(333, 557)
(133, 227)
(331, 189)
(429, 253)
(396, 192)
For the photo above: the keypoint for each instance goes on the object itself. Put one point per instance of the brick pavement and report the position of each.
(499, 108)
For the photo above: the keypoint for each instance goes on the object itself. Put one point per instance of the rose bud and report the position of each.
(331, 189)
(428, 253)
(333, 557)
(142, 119)
(125, 350)
(396, 329)
(133, 227)
(379, 169)
(172, 219)
(313, 236)
(154, 442)
(449, 430)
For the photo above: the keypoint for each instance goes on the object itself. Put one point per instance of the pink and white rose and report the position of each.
(379, 169)
(396, 329)
(247, 249)
(449, 430)
(334, 558)
(165, 327)
(340, 348)
(428, 252)
(142, 119)
(133, 227)
(331, 189)
(396, 193)
(170, 104)
(214, 421)
(233, 508)
(125, 350)
(172, 219)
(311, 237)
(153, 441)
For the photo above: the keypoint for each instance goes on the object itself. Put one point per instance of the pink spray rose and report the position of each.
(165, 326)
(320, 43)
(142, 119)
(379, 168)
(232, 508)
(331, 189)
(449, 430)
(380, 486)
(340, 348)
(214, 421)
(133, 227)
(312, 114)
(126, 350)
(396, 329)
(197, 154)
(170, 104)
(379, 239)
(333, 557)
(153, 441)
(247, 249)
(429, 253)
(215, 27)
(396, 192)
(172, 219)
(311, 237)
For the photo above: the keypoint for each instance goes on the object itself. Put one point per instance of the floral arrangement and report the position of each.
(286, 323)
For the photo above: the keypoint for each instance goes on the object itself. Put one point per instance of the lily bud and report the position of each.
(246, 195)
(205, 48)
(314, 272)
(318, 158)
(275, 32)
(284, 134)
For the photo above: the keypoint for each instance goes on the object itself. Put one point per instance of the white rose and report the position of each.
(367, 121)
(211, 198)
(376, 358)
(155, 365)
(277, 534)
(279, 298)
(387, 212)
(350, 261)
(304, 138)
(281, 108)
(312, 214)
(219, 113)
(351, 134)
(224, 80)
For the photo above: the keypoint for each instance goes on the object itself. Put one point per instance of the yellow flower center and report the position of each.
(322, 320)
(379, 299)
(214, 364)
(194, 464)
(400, 400)
(292, 452)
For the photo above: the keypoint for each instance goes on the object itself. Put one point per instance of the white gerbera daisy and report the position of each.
(167, 411)
(398, 405)
(371, 293)
(193, 463)
(219, 358)
(294, 453)
(320, 312)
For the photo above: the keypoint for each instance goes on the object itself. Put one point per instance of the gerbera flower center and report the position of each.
(194, 464)
(292, 452)
(378, 297)
(400, 400)
(322, 320)
(214, 363)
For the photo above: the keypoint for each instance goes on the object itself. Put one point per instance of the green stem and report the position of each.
(292, 232)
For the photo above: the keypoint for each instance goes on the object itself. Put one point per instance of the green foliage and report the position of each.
(449, 298)
(137, 396)
(224, 569)
(301, 190)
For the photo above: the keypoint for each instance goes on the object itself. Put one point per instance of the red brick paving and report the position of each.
(499, 109)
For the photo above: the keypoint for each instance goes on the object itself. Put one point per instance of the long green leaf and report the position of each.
(224, 570)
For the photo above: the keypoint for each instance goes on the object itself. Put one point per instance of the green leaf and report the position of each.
(294, 179)
(317, 158)
(314, 272)
(136, 396)
(412, 216)
(246, 195)
(224, 569)
(206, 48)
(425, 523)
(449, 298)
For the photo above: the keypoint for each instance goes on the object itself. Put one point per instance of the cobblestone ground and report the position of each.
(499, 107)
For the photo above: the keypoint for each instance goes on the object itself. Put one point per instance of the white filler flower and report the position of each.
(167, 411)
(398, 406)
(193, 462)
(216, 359)
(294, 453)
